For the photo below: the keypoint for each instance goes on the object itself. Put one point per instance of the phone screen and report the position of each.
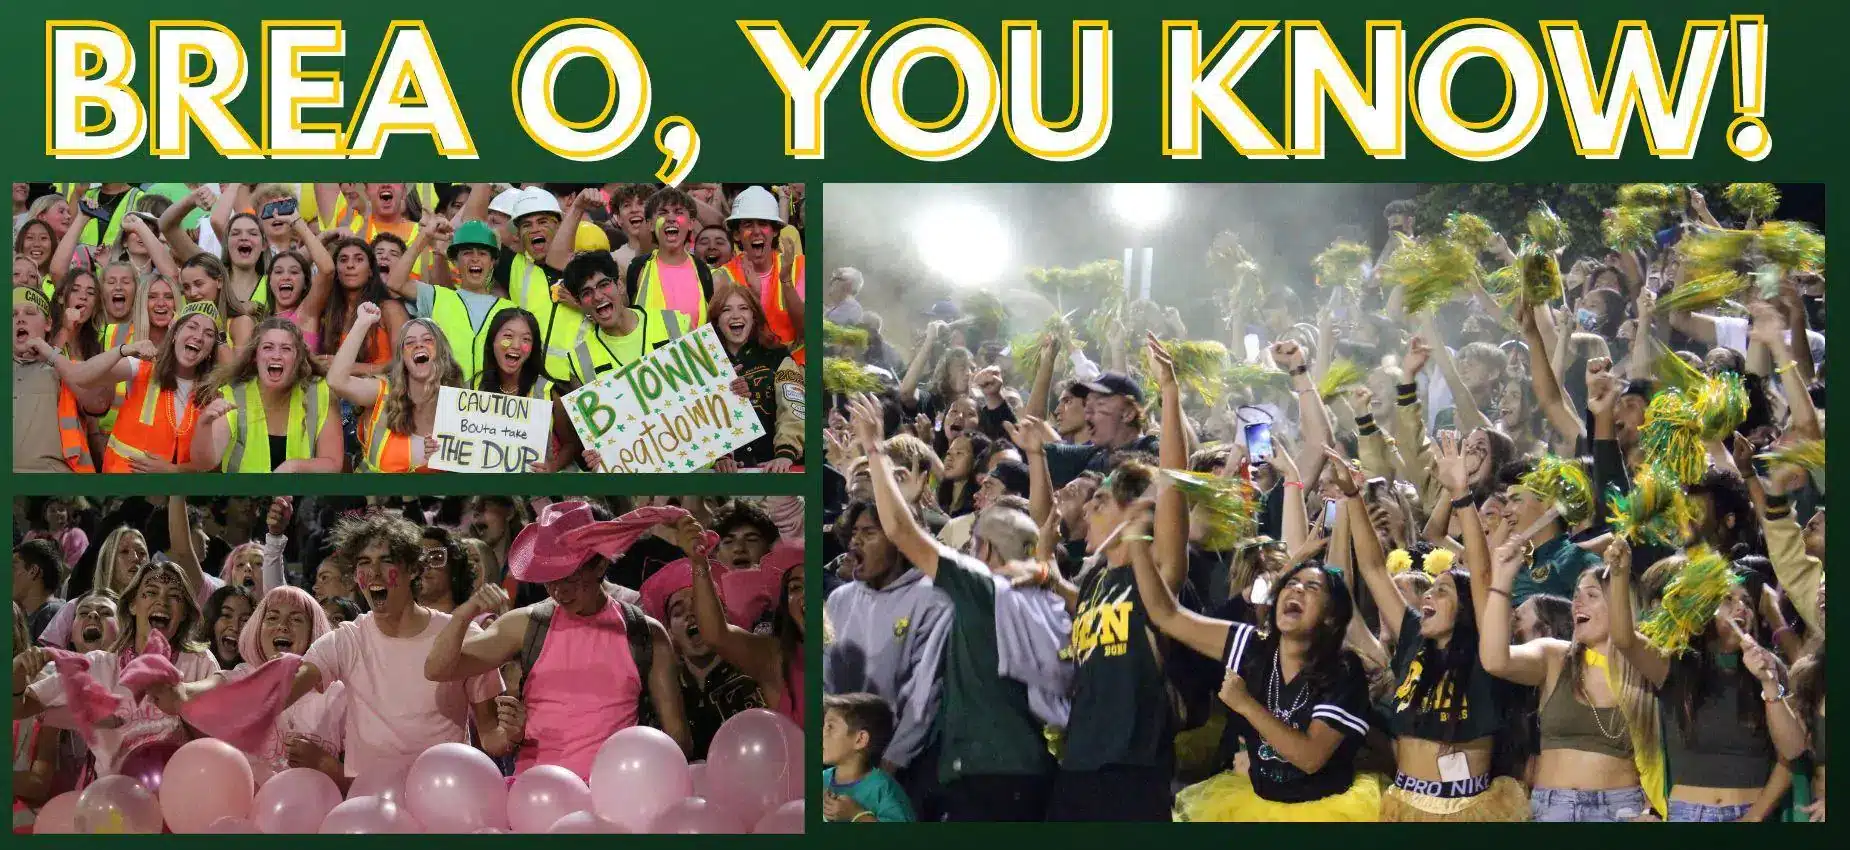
(1259, 441)
(1262, 591)
(286, 206)
(1329, 513)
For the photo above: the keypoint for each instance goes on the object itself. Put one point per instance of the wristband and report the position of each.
(1406, 394)
(857, 818)
(1140, 538)
(1462, 502)
(1782, 368)
(1365, 425)
(1297, 484)
(1500, 590)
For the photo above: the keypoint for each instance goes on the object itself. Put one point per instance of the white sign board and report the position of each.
(673, 411)
(490, 432)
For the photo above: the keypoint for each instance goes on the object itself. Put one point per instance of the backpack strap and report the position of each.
(642, 645)
(539, 621)
(633, 275)
(705, 272)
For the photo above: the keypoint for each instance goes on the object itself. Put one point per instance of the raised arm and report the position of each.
(457, 655)
(1031, 436)
(358, 391)
(1171, 506)
(1201, 634)
(1619, 612)
(1525, 664)
(173, 224)
(1769, 329)
(398, 280)
(915, 371)
(67, 246)
(1043, 377)
(1549, 395)
(755, 655)
(1369, 560)
(901, 528)
(104, 370)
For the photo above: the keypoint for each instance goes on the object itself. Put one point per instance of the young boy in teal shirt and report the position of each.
(855, 732)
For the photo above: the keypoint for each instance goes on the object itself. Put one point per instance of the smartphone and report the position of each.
(1259, 442)
(1329, 513)
(92, 211)
(1261, 594)
(285, 206)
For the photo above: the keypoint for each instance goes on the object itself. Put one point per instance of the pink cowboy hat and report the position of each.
(567, 534)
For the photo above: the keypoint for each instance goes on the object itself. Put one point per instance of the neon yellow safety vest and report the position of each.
(562, 326)
(124, 206)
(120, 333)
(599, 353)
(649, 285)
(465, 339)
(250, 426)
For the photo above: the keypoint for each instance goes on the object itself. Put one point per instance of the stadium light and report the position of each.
(962, 243)
(1142, 206)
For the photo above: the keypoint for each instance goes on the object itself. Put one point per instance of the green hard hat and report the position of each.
(473, 233)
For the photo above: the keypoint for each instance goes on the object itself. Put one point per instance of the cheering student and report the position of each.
(512, 364)
(773, 378)
(401, 407)
(769, 265)
(48, 435)
(466, 313)
(526, 266)
(298, 430)
(618, 334)
(669, 278)
(157, 601)
(155, 435)
(712, 688)
(774, 661)
(308, 732)
(300, 288)
(606, 657)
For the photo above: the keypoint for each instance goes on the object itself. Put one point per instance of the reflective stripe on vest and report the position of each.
(654, 298)
(451, 314)
(124, 206)
(385, 451)
(250, 445)
(776, 315)
(73, 442)
(655, 334)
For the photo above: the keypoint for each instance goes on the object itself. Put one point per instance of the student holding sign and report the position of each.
(620, 334)
(464, 313)
(272, 413)
(773, 380)
(401, 408)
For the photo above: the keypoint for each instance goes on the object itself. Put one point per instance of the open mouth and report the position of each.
(282, 644)
(742, 562)
(228, 643)
(159, 622)
(475, 270)
(1427, 611)
(273, 371)
(512, 358)
(693, 630)
(376, 588)
(603, 310)
(420, 358)
(192, 348)
(118, 301)
(1291, 607)
(92, 634)
(386, 197)
(1581, 619)
(757, 243)
(19, 334)
(538, 241)
(736, 327)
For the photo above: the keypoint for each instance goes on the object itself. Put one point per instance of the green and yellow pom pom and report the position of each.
(1757, 201)
(1025, 349)
(1660, 196)
(845, 377)
(1672, 436)
(1655, 512)
(1199, 368)
(1341, 265)
(1226, 504)
(1098, 278)
(988, 314)
(1546, 228)
(1804, 454)
(1430, 272)
(843, 336)
(1629, 228)
(1469, 230)
(1701, 293)
(1564, 484)
(1343, 374)
(1721, 405)
(1541, 276)
(1792, 245)
(1674, 372)
(1256, 379)
(1690, 601)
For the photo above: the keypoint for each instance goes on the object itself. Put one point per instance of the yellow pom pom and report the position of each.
(1398, 561)
(1438, 561)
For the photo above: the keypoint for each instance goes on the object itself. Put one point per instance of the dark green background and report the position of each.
(702, 67)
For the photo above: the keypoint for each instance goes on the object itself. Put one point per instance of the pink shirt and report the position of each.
(581, 690)
(681, 290)
(318, 715)
(394, 714)
(141, 725)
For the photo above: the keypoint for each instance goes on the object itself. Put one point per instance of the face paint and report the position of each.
(506, 344)
(391, 577)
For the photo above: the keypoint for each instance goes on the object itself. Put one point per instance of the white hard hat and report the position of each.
(504, 202)
(755, 204)
(532, 201)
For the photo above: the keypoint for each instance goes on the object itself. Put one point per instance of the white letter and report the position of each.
(885, 75)
(88, 66)
(288, 89)
(1525, 92)
(1084, 130)
(808, 79)
(1194, 87)
(1372, 111)
(1598, 116)
(180, 98)
(415, 98)
(626, 103)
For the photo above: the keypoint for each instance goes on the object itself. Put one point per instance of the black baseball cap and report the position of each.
(1014, 476)
(1110, 383)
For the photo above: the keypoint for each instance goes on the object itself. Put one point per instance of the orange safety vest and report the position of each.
(145, 425)
(386, 449)
(72, 439)
(776, 314)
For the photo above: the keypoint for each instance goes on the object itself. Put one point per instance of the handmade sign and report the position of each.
(673, 411)
(490, 432)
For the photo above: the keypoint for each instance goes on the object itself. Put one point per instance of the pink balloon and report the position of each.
(755, 763)
(543, 795)
(232, 826)
(145, 764)
(489, 830)
(697, 816)
(787, 819)
(456, 788)
(584, 823)
(116, 805)
(369, 816)
(295, 802)
(697, 774)
(57, 816)
(387, 784)
(206, 779)
(639, 772)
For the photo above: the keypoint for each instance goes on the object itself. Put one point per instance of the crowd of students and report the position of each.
(359, 634)
(283, 327)
(1506, 545)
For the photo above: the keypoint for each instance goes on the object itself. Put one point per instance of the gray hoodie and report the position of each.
(890, 642)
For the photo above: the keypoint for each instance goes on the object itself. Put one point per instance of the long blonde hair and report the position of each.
(1637, 700)
(399, 408)
(101, 578)
(243, 368)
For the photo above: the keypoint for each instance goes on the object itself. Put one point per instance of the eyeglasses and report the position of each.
(434, 557)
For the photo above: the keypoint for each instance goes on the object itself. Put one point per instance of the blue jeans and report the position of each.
(1699, 813)
(1565, 805)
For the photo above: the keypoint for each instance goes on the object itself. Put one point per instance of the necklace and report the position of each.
(1275, 688)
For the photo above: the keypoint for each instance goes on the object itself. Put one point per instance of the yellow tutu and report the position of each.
(1229, 797)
